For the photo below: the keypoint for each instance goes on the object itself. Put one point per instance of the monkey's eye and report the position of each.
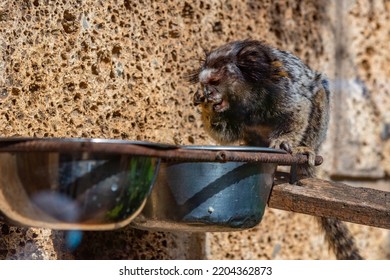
(213, 82)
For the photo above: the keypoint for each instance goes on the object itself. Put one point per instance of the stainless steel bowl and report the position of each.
(208, 196)
(86, 184)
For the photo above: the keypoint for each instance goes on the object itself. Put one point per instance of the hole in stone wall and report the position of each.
(33, 88)
(77, 96)
(83, 85)
(3, 93)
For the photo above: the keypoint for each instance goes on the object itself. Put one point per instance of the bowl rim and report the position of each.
(234, 148)
(14, 140)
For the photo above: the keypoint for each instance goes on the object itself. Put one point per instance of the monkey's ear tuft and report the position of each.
(254, 61)
(206, 52)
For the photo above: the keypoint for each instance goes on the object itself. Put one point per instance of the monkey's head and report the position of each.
(230, 74)
(235, 81)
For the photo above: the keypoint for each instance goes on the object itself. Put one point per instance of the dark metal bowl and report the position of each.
(209, 196)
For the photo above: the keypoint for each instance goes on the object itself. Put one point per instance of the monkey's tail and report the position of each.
(337, 234)
(340, 239)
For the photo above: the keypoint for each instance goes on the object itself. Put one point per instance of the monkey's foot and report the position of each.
(285, 145)
(306, 151)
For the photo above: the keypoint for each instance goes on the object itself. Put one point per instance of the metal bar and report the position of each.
(172, 154)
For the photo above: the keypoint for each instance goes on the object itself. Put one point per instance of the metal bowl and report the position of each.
(86, 184)
(209, 196)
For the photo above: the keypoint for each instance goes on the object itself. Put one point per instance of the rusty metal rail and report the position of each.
(166, 152)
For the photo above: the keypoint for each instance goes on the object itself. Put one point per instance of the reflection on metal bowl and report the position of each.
(208, 196)
(74, 190)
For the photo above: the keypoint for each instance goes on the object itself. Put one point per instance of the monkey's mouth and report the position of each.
(220, 105)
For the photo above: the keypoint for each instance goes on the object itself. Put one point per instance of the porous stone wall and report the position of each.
(117, 69)
(362, 90)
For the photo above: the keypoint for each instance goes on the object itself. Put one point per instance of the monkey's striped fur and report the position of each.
(258, 95)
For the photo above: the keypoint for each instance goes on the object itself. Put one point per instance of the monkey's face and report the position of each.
(230, 91)
(217, 88)
(228, 76)
(220, 82)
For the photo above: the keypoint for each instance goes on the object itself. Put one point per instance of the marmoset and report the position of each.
(258, 95)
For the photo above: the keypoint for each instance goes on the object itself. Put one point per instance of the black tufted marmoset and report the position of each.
(258, 95)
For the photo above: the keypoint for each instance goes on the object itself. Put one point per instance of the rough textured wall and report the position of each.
(116, 69)
(362, 90)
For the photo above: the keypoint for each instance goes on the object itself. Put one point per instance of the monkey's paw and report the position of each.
(285, 145)
(306, 151)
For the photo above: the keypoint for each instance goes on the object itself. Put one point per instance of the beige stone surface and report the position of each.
(30, 244)
(361, 91)
(117, 69)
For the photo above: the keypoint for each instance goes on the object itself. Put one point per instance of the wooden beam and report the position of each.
(330, 199)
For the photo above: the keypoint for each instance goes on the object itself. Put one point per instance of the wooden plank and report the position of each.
(331, 199)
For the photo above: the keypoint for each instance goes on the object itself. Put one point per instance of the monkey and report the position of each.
(258, 95)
